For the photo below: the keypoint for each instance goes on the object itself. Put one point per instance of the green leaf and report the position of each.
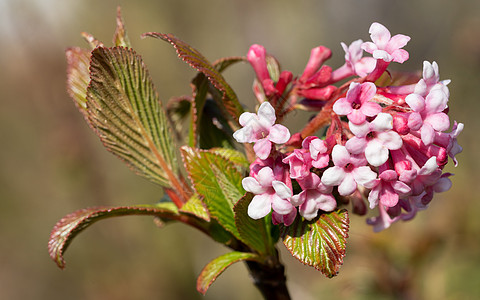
(125, 110)
(217, 181)
(234, 156)
(72, 224)
(216, 267)
(253, 232)
(196, 207)
(197, 61)
(120, 37)
(321, 243)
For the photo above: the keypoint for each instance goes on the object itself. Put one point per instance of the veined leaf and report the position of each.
(197, 61)
(217, 181)
(225, 62)
(72, 224)
(234, 156)
(78, 76)
(196, 207)
(125, 110)
(120, 37)
(216, 267)
(253, 232)
(320, 244)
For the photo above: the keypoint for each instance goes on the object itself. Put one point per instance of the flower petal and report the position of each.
(265, 177)
(333, 176)
(390, 139)
(266, 114)
(379, 35)
(370, 109)
(281, 189)
(279, 134)
(281, 206)
(348, 185)
(260, 206)
(398, 41)
(340, 156)
(251, 185)
(326, 202)
(342, 107)
(364, 176)
(376, 153)
(262, 148)
(416, 102)
(382, 122)
(356, 145)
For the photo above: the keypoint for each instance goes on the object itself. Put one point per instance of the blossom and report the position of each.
(375, 139)
(300, 163)
(269, 194)
(357, 105)
(318, 150)
(314, 196)
(384, 46)
(260, 129)
(449, 141)
(428, 116)
(358, 65)
(386, 189)
(313, 153)
(348, 171)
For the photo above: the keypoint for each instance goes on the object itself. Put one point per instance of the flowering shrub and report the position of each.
(383, 139)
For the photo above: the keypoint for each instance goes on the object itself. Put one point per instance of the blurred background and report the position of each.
(52, 164)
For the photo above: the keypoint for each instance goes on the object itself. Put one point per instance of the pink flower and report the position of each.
(269, 194)
(314, 196)
(387, 189)
(431, 78)
(428, 116)
(385, 46)
(349, 170)
(375, 139)
(383, 221)
(318, 151)
(259, 129)
(256, 56)
(358, 65)
(449, 141)
(318, 56)
(357, 105)
(300, 163)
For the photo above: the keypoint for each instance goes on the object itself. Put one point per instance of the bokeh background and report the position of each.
(51, 164)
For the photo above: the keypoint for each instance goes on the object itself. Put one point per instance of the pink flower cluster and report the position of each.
(387, 145)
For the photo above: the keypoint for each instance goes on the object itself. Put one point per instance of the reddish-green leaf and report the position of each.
(216, 267)
(217, 181)
(197, 61)
(225, 62)
(254, 232)
(72, 224)
(124, 108)
(321, 243)
(120, 37)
